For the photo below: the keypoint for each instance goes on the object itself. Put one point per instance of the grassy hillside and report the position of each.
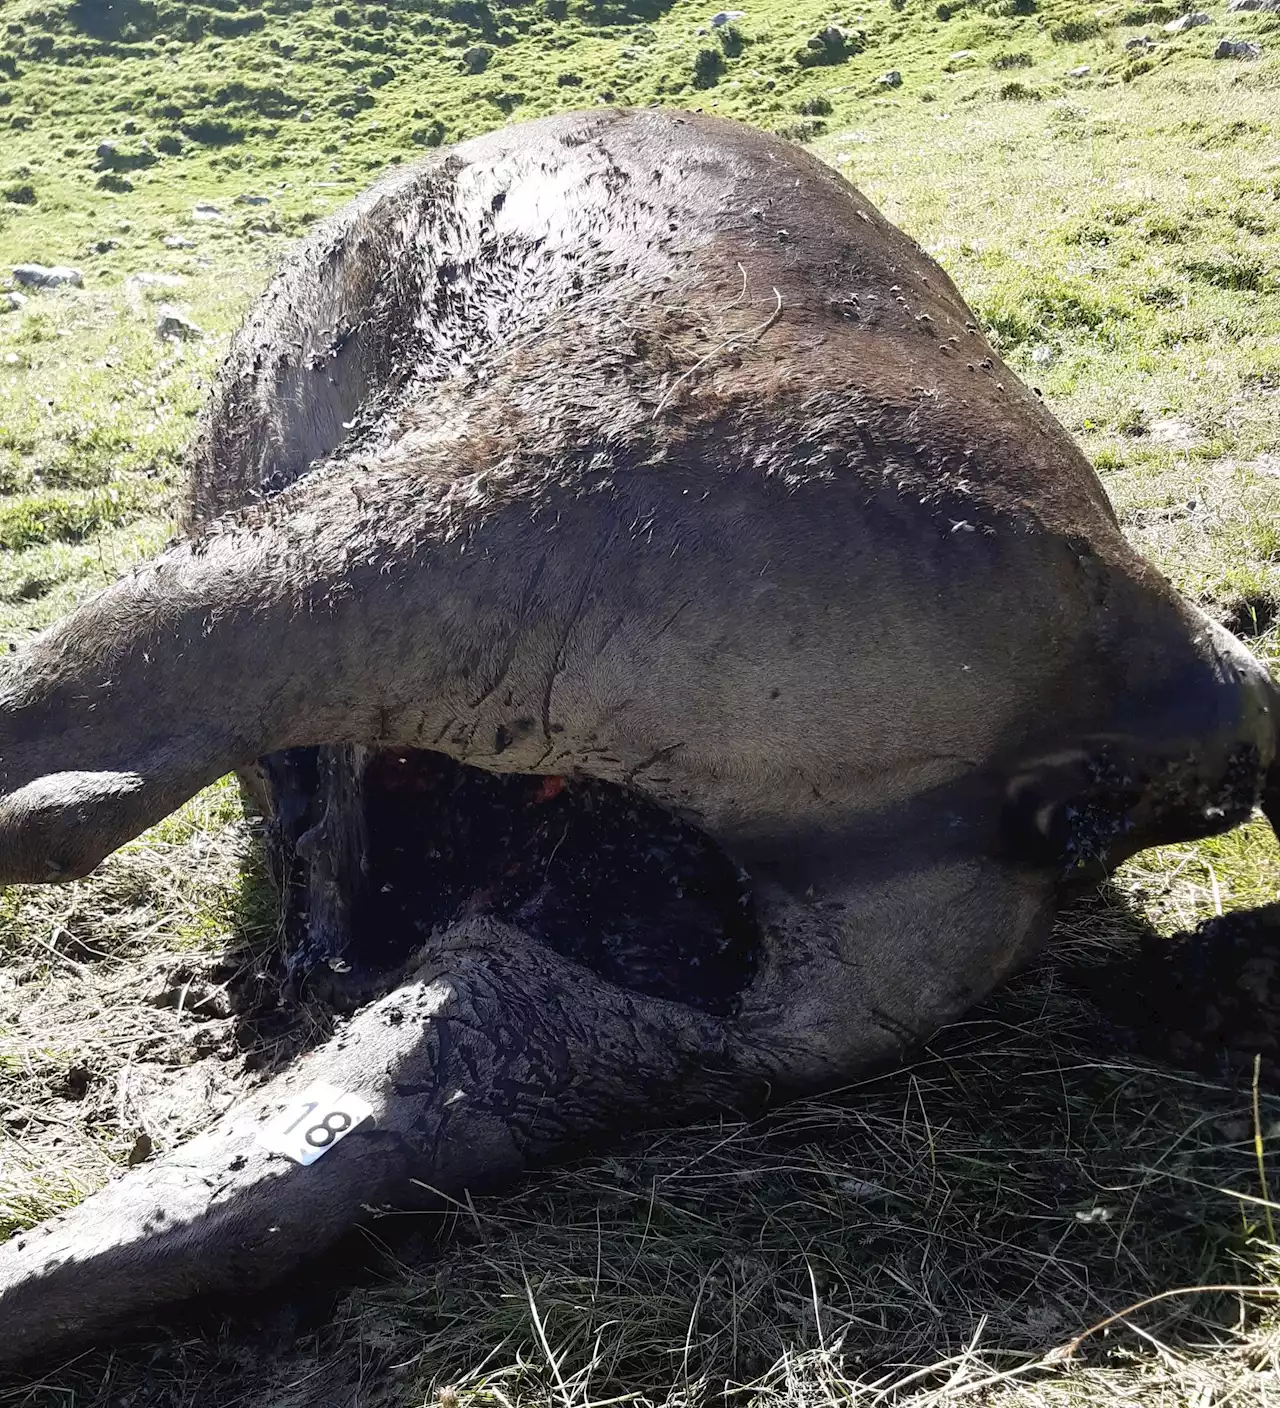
(1122, 221)
(1113, 214)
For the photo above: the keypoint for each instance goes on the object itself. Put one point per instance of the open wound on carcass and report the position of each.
(599, 874)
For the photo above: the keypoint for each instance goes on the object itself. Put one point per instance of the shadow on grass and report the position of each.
(623, 12)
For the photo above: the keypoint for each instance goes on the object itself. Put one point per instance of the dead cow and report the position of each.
(626, 470)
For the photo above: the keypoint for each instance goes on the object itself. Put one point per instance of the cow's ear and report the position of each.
(1066, 811)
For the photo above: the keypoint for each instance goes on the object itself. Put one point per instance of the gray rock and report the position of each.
(1177, 434)
(1043, 356)
(1186, 22)
(206, 210)
(1269, 6)
(892, 79)
(1083, 71)
(12, 302)
(727, 17)
(1143, 41)
(306, 115)
(174, 326)
(37, 276)
(477, 58)
(1237, 49)
(253, 200)
(105, 246)
(833, 37)
(140, 281)
(177, 242)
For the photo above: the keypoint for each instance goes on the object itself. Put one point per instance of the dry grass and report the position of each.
(932, 1236)
(115, 1025)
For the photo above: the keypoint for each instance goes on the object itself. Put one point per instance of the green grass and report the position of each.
(1117, 232)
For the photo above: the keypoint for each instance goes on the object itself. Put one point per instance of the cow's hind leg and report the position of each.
(495, 1055)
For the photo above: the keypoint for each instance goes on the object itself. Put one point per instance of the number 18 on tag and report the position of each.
(312, 1124)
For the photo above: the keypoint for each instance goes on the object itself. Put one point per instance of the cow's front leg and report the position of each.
(496, 1055)
(342, 613)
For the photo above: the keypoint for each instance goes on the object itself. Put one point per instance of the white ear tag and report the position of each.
(313, 1122)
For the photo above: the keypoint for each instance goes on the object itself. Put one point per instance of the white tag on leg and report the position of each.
(313, 1122)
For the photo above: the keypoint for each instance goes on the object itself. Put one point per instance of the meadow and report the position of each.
(937, 1235)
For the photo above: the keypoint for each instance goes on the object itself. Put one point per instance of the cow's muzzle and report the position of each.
(1191, 759)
